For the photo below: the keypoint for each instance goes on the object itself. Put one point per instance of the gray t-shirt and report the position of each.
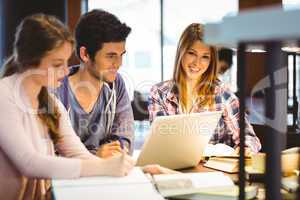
(97, 125)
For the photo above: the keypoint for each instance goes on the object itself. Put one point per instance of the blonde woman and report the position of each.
(33, 122)
(195, 88)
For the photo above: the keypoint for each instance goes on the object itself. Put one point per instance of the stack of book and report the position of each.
(223, 158)
(228, 164)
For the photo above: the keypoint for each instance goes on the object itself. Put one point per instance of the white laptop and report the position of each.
(178, 141)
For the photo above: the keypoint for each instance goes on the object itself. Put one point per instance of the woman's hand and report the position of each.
(157, 169)
(118, 165)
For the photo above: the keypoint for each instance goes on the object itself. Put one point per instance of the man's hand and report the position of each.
(109, 149)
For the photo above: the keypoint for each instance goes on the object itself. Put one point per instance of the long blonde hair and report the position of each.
(206, 85)
(35, 37)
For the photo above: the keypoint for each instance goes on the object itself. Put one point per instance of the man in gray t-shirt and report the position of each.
(94, 93)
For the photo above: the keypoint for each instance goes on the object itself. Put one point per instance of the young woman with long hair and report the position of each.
(195, 88)
(34, 125)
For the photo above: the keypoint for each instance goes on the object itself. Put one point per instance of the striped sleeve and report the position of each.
(155, 104)
(231, 119)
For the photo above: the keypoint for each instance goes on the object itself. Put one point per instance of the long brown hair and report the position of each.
(206, 85)
(35, 37)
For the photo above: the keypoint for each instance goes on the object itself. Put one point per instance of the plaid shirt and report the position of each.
(163, 100)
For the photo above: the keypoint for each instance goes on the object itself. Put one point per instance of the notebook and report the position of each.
(135, 186)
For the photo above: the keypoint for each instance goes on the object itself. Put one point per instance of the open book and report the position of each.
(170, 185)
(135, 186)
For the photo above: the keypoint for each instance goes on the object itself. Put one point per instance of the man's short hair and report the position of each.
(97, 27)
(225, 55)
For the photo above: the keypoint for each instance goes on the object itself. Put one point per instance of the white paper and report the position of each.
(134, 177)
(218, 150)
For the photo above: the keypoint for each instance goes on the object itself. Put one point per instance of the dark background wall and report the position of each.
(1, 30)
(13, 11)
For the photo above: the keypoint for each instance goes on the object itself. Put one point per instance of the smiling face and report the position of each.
(196, 60)
(53, 66)
(107, 61)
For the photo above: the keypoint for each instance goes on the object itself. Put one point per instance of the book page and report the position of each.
(192, 180)
(189, 183)
(211, 179)
(218, 150)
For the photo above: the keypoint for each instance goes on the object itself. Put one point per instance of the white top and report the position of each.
(26, 149)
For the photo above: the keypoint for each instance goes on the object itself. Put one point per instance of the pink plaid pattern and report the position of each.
(163, 100)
